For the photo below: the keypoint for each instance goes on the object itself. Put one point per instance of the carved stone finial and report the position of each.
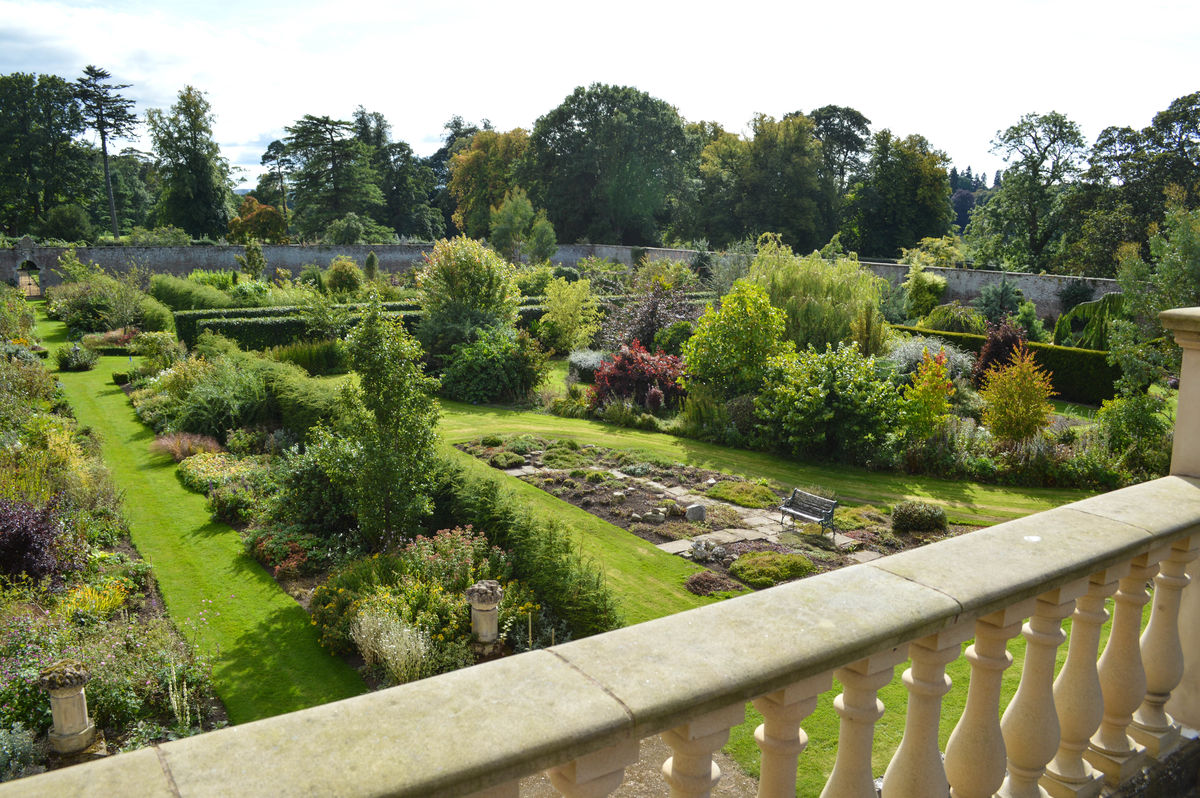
(485, 595)
(63, 674)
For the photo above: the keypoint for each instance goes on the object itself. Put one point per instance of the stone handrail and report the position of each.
(580, 709)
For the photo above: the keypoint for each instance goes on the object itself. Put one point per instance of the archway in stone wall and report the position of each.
(29, 279)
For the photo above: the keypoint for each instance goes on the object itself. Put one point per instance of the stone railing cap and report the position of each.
(1182, 320)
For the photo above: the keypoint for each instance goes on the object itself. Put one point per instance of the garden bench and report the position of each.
(809, 508)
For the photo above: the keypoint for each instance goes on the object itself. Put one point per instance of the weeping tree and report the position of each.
(824, 301)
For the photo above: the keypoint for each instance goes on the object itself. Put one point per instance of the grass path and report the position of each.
(965, 502)
(266, 657)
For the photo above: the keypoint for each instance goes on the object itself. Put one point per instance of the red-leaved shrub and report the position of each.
(633, 372)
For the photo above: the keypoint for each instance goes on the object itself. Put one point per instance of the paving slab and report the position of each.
(864, 556)
(723, 536)
(675, 546)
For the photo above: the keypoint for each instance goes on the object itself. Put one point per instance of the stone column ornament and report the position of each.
(1184, 704)
(73, 731)
(484, 598)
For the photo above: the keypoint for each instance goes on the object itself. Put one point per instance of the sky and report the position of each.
(956, 73)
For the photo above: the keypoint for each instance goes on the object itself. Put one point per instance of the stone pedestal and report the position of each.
(484, 598)
(73, 731)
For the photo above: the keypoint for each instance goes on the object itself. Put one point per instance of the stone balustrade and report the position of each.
(579, 710)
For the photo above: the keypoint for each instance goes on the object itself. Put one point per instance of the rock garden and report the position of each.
(724, 522)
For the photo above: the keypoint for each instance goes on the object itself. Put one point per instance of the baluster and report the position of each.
(1030, 724)
(916, 769)
(780, 737)
(859, 708)
(691, 771)
(975, 758)
(596, 774)
(1122, 677)
(1162, 654)
(1077, 696)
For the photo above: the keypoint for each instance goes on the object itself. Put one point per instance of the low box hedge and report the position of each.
(186, 321)
(1078, 375)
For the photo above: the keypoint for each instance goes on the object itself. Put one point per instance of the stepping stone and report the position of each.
(754, 534)
(724, 536)
(675, 546)
(841, 541)
(864, 556)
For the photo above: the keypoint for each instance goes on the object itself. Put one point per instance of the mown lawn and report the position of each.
(265, 650)
(965, 502)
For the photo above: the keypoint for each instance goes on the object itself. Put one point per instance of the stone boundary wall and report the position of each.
(961, 284)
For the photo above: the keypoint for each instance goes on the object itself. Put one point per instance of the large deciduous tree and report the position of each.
(42, 165)
(604, 162)
(1022, 224)
(334, 175)
(196, 190)
(481, 174)
(111, 116)
(904, 196)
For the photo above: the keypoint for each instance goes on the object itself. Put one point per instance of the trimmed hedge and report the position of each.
(180, 294)
(264, 332)
(187, 321)
(1079, 375)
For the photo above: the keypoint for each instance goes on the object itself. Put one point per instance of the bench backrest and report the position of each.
(814, 505)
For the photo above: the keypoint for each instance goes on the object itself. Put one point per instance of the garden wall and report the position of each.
(961, 284)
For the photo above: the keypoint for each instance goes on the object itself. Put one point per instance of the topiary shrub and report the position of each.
(344, 276)
(760, 569)
(918, 517)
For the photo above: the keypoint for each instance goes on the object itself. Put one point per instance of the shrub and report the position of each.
(315, 357)
(831, 403)
(582, 364)
(29, 538)
(625, 413)
(179, 294)
(927, 398)
(997, 301)
(672, 339)
(250, 293)
(310, 275)
(907, 355)
(221, 280)
(461, 274)
(306, 497)
(17, 751)
(159, 350)
(1016, 398)
(641, 316)
(532, 280)
(499, 364)
(1027, 319)
(1072, 293)
(162, 236)
(253, 264)
(571, 318)
(1002, 341)
(1136, 430)
(155, 316)
(731, 345)
(918, 517)
(955, 318)
(16, 317)
(632, 372)
(73, 357)
(504, 460)
(824, 301)
(120, 377)
(344, 276)
(762, 569)
(744, 494)
(922, 290)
